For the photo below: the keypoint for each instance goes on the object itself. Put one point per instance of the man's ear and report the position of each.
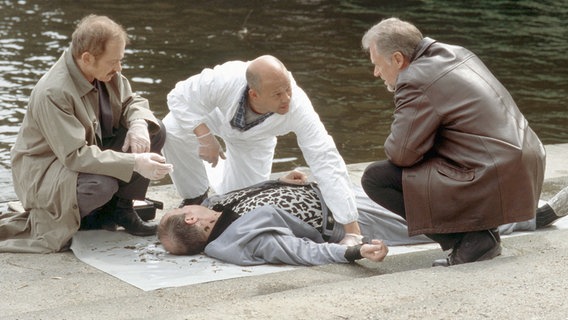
(399, 60)
(252, 93)
(190, 219)
(87, 58)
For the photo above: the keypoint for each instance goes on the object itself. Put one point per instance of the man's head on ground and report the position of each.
(97, 45)
(391, 44)
(269, 85)
(184, 231)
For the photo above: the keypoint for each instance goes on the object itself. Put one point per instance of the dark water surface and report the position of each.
(524, 42)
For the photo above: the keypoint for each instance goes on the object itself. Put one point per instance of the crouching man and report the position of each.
(87, 147)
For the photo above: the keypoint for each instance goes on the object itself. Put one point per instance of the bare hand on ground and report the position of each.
(375, 251)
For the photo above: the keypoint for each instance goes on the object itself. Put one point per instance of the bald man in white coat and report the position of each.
(249, 104)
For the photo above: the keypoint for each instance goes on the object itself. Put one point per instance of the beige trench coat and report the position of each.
(471, 161)
(57, 140)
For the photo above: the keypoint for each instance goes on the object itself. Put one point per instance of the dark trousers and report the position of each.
(94, 190)
(382, 182)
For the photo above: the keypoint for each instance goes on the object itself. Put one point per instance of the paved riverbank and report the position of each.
(526, 281)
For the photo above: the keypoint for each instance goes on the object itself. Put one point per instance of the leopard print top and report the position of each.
(301, 201)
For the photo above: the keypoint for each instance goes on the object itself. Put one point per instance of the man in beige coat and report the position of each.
(86, 148)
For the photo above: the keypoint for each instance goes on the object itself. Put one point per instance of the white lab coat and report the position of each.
(212, 97)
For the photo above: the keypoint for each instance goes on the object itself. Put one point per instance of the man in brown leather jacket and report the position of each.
(462, 159)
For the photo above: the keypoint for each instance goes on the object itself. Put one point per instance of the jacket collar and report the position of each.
(81, 83)
(422, 46)
(227, 217)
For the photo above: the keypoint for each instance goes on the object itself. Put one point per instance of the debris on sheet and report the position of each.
(148, 252)
(144, 263)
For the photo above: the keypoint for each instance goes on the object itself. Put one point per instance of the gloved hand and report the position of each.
(351, 239)
(151, 166)
(137, 137)
(374, 251)
(209, 149)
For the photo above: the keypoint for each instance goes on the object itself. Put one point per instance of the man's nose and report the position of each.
(376, 72)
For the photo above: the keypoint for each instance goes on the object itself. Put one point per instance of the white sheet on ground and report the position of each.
(141, 262)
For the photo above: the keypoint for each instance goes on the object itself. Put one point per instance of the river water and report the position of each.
(523, 42)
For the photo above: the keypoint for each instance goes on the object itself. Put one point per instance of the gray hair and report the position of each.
(392, 35)
(180, 238)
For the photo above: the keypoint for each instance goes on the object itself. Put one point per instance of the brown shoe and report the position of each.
(475, 246)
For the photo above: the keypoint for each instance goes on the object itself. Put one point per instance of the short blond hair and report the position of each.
(93, 33)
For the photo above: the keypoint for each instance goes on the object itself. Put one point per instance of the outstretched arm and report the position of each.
(374, 251)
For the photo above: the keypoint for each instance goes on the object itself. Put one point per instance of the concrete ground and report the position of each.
(524, 282)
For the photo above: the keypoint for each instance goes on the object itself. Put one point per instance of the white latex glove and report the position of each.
(374, 251)
(295, 177)
(210, 149)
(152, 166)
(137, 137)
(351, 239)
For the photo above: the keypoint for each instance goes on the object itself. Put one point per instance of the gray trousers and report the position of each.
(95, 190)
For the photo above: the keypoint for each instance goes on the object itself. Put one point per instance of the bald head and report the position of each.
(269, 83)
(265, 68)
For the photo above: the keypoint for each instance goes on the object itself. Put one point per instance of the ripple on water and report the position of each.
(523, 42)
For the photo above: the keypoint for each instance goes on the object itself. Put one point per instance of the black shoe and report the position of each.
(91, 222)
(97, 221)
(192, 201)
(475, 246)
(545, 216)
(100, 218)
(125, 216)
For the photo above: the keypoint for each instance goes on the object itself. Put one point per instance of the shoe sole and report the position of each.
(494, 252)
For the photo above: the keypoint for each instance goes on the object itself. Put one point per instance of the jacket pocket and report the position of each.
(455, 172)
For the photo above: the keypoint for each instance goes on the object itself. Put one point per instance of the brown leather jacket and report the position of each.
(470, 159)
